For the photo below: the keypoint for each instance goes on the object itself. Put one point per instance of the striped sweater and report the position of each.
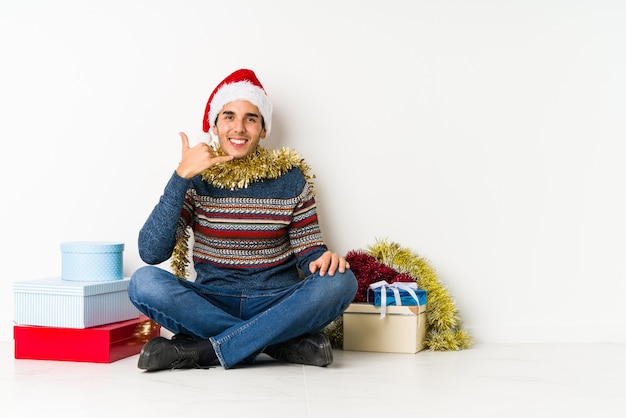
(252, 238)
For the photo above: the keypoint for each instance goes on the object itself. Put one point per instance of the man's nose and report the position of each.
(240, 126)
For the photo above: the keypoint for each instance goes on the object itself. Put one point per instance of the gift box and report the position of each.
(86, 261)
(101, 344)
(60, 303)
(401, 330)
(374, 296)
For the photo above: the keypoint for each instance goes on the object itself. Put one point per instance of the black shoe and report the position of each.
(181, 337)
(312, 349)
(160, 354)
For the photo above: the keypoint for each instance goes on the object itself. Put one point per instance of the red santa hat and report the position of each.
(240, 85)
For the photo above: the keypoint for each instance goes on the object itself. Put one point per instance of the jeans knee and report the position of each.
(343, 285)
(349, 283)
(140, 282)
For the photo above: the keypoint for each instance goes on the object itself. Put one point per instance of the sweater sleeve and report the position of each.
(305, 233)
(158, 235)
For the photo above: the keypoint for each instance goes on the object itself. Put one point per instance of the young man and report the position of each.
(265, 281)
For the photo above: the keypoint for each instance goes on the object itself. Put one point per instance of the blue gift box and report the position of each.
(87, 261)
(54, 302)
(374, 296)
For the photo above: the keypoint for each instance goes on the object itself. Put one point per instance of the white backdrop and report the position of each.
(487, 136)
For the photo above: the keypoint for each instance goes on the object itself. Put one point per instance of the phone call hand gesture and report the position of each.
(194, 160)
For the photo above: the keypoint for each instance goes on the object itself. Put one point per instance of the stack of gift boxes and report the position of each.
(392, 320)
(84, 315)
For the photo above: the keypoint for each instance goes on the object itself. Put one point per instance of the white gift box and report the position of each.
(401, 330)
(55, 302)
(86, 261)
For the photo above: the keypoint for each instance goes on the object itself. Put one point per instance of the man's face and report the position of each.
(239, 127)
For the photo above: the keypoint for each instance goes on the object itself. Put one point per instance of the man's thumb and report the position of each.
(184, 140)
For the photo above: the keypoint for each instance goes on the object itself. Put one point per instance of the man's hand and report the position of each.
(194, 160)
(329, 262)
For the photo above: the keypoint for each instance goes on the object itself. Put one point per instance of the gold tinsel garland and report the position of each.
(444, 329)
(239, 173)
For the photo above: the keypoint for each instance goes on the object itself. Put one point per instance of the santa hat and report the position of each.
(240, 85)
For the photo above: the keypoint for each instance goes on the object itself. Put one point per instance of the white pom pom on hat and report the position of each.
(242, 84)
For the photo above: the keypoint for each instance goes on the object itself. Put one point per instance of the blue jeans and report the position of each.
(240, 323)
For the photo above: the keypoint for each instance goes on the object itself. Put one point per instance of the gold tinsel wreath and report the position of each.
(444, 328)
(235, 174)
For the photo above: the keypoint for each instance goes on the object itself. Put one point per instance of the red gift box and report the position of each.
(101, 344)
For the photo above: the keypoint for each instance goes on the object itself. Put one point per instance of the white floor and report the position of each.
(500, 380)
